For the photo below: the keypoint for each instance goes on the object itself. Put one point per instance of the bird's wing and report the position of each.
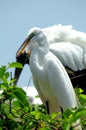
(38, 90)
(61, 84)
(70, 55)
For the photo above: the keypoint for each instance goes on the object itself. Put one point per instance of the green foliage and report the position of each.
(16, 113)
(15, 65)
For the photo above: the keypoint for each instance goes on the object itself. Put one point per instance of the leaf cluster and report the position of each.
(16, 113)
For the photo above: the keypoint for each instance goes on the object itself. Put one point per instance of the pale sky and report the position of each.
(18, 16)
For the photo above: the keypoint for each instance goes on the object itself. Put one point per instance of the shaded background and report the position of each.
(18, 16)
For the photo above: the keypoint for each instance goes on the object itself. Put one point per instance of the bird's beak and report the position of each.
(22, 57)
(21, 50)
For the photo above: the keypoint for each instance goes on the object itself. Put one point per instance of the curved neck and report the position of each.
(38, 53)
(37, 62)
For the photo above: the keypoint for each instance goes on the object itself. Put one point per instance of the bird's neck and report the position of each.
(37, 62)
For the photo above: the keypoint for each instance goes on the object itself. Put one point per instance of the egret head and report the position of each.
(34, 37)
(33, 31)
(22, 55)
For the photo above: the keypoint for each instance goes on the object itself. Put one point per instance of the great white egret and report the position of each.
(69, 45)
(49, 75)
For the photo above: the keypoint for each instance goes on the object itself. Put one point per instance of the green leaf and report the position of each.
(15, 65)
(5, 108)
(11, 81)
(21, 96)
(67, 126)
(6, 75)
(80, 112)
(82, 99)
(54, 115)
(16, 104)
(2, 71)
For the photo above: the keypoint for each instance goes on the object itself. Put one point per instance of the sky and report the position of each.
(18, 16)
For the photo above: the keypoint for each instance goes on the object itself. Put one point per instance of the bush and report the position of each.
(16, 113)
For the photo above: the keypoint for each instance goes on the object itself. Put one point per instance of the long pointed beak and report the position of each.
(22, 48)
(21, 57)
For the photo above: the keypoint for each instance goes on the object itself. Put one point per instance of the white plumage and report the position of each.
(49, 75)
(75, 50)
(71, 55)
(47, 59)
(67, 33)
(68, 44)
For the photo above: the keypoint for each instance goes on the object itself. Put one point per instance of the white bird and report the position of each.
(69, 46)
(67, 43)
(49, 75)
